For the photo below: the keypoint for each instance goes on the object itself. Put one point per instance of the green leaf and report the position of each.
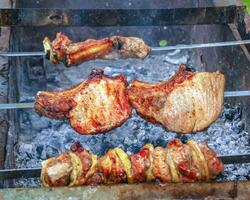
(163, 43)
(247, 4)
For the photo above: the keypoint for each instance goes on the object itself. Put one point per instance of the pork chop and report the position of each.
(188, 102)
(98, 104)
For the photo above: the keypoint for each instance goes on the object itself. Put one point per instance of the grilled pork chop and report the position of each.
(188, 102)
(96, 105)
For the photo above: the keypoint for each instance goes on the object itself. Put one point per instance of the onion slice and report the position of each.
(202, 161)
(77, 169)
(49, 51)
(124, 158)
(173, 171)
(93, 166)
(44, 167)
(149, 172)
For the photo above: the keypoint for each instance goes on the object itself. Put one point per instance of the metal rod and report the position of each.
(233, 159)
(20, 173)
(237, 93)
(16, 106)
(204, 45)
(35, 172)
(17, 54)
(156, 49)
(31, 105)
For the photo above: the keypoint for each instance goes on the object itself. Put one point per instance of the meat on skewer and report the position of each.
(187, 102)
(62, 49)
(177, 162)
(98, 104)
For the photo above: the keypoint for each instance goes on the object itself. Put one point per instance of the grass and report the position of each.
(247, 4)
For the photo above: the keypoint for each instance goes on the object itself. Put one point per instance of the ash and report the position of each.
(41, 138)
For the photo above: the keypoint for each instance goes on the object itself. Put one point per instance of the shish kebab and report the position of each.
(62, 49)
(48, 48)
(177, 162)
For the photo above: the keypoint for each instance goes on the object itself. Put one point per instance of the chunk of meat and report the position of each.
(84, 164)
(215, 166)
(61, 49)
(160, 166)
(112, 168)
(97, 105)
(181, 156)
(130, 47)
(138, 162)
(56, 171)
(188, 102)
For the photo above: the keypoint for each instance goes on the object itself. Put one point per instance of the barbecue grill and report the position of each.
(209, 35)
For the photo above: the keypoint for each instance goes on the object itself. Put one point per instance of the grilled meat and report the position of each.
(63, 50)
(58, 171)
(97, 105)
(178, 162)
(188, 102)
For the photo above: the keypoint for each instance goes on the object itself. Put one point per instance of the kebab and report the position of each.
(62, 49)
(177, 162)
(188, 102)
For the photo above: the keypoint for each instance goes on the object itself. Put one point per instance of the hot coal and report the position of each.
(41, 138)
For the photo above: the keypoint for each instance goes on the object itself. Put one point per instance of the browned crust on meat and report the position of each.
(182, 103)
(88, 50)
(183, 161)
(215, 165)
(130, 47)
(62, 180)
(62, 49)
(62, 104)
(137, 87)
(139, 165)
(175, 163)
(160, 166)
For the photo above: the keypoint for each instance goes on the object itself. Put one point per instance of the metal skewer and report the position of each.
(204, 45)
(237, 93)
(167, 48)
(16, 106)
(17, 54)
(35, 172)
(31, 105)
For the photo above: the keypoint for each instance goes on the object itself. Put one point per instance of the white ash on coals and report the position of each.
(41, 138)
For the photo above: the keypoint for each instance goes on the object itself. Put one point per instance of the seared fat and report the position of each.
(188, 102)
(99, 104)
(61, 49)
(178, 162)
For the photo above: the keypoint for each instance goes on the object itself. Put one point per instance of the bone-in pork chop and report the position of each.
(98, 104)
(188, 102)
